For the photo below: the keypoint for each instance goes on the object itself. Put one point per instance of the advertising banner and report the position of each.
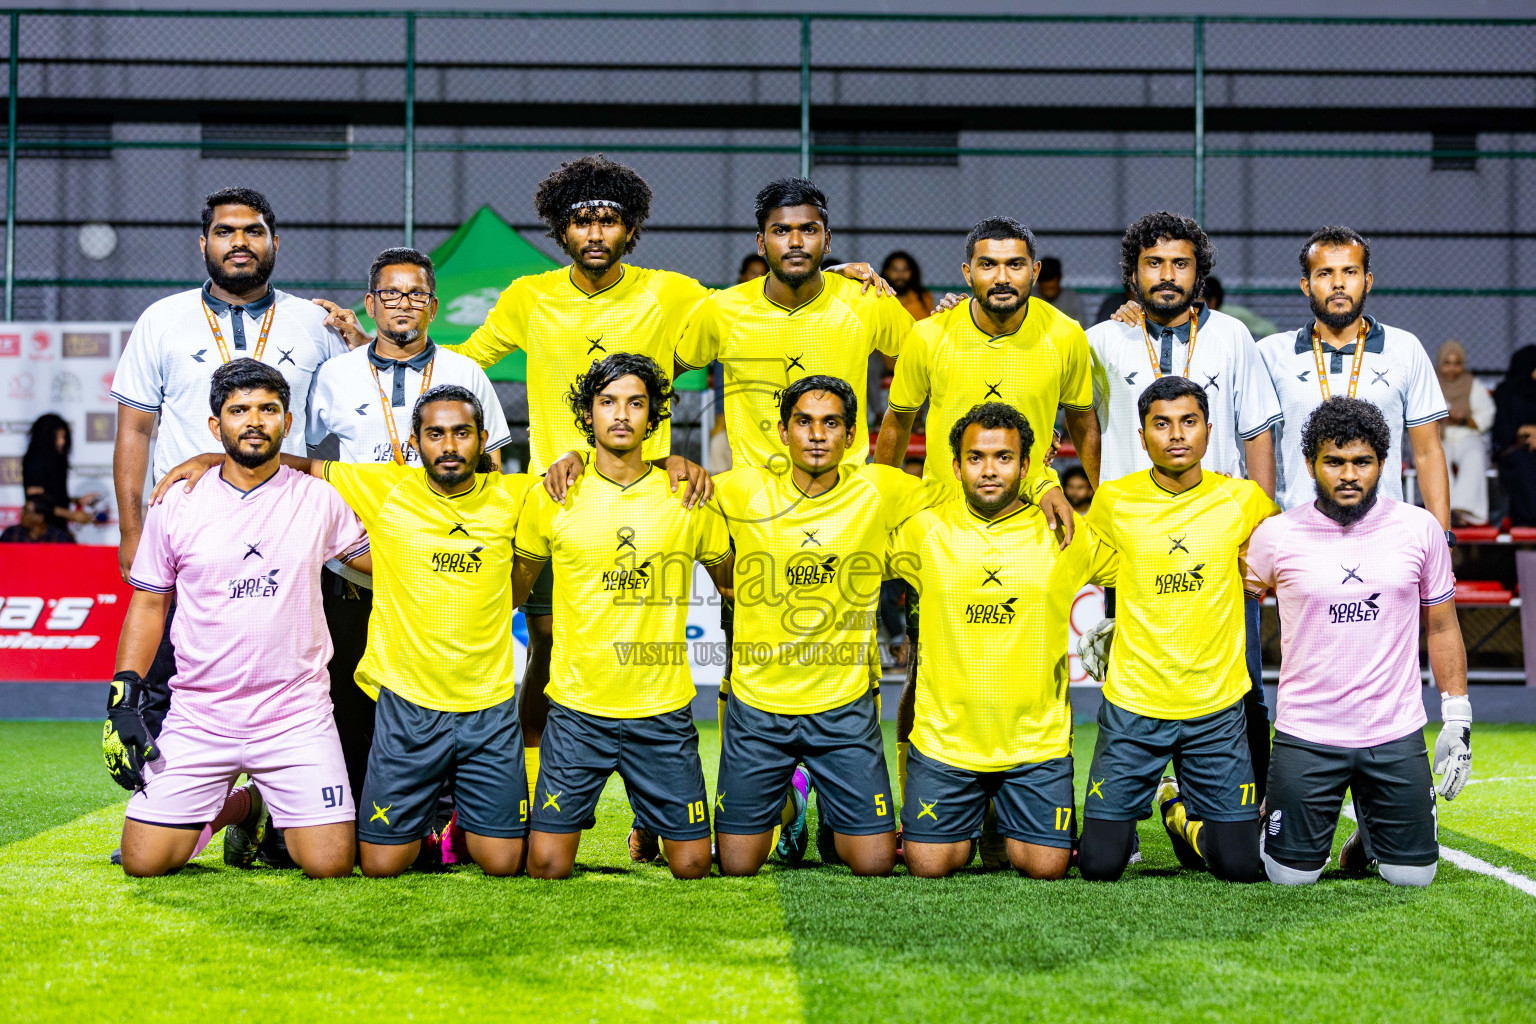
(63, 368)
(61, 610)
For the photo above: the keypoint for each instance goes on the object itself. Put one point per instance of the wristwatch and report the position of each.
(1450, 538)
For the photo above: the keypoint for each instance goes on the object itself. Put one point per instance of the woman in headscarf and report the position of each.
(1514, 436)
(1462, 433)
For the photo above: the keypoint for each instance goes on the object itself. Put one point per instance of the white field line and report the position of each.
(1504, 778)
(1467, 862)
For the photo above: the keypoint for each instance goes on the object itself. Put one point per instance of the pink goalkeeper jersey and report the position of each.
(1349, 618)
(249, 631)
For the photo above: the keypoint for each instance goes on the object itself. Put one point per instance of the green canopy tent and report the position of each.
(473, 266)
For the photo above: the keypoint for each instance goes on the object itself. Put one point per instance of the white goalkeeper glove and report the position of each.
(1453, 749)
(1093, 647)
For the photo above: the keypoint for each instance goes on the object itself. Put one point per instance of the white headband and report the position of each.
(598, 202)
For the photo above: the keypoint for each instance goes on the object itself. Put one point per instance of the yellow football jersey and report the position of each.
(623, 562)
(992, 662)
(807, 578)
(1179, 633)
(764, 347)
(954, 365)
(440, 635)
(564, 331)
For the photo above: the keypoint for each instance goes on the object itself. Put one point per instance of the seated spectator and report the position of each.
(903, 274)
(913, 464)
(45, 472)
(1463, 434)
(753, 267)
(1215, 296)
(1048, 287)
(1078, 491)
(1514, 436)
(34, 527)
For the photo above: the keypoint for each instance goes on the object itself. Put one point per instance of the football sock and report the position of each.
(902, 747)
(236, 806)
(531, 766)
(1179, 821)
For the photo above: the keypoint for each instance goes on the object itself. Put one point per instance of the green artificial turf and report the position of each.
(81, 942)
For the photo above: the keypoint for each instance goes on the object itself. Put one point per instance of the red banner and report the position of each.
(61, 610)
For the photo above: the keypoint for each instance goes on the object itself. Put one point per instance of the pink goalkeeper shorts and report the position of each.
(298, 768)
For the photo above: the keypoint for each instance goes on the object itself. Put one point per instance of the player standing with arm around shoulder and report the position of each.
(1178, 674)
(810, 556)
(1351, 571)
(993, 719)
(242, 552)
(621, 548)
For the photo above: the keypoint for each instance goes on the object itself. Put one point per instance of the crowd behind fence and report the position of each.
(368, 129)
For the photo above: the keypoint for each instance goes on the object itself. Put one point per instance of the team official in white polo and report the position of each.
(1344, 352)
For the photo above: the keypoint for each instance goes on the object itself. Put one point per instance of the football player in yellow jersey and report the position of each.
(795, 322)
(1002, 344)
(810, 543)
(993, 717)
(438, 659)
(1177, 674)
(622, 548)
(567, 319)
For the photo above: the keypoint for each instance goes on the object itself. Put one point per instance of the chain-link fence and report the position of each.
(369, 129)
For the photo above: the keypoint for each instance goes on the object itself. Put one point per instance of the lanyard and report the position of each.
(1354, 370)
(1189, 353)
(218, 335)
(396, 449)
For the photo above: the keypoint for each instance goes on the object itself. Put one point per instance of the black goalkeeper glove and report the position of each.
(126, 745)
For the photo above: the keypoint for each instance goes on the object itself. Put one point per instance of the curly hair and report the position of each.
(993, 416)
(790, 396)
(1163, 226)
(604, 372)
(1341, 420)
(593, 180)
(1168, 389)
(1330, 237)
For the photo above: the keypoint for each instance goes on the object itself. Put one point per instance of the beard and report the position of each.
(1165, 310)
(578, 257)
(253, 459)
(1336, 321)
(795, 279)
(446, 478)
(1344, 515)
(400, 338)
(1002, 300)
(991, 508)
(239, 282)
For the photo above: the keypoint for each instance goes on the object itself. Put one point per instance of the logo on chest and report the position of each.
(811, 573)
(264, 585)
(458, 561)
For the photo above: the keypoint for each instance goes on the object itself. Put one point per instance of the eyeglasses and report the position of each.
(393, 296)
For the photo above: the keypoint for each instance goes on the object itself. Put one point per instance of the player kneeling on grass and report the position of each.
(241, 552)
(993, 718)
(438, 659)
(810, 533)
(1178, 672)
(1351, 571)
(622, 546)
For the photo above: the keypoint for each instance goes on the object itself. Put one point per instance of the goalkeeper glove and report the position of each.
(1093, 647)
(1453, 749)
(126, 745)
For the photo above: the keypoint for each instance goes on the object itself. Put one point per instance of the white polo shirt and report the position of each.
(168, 364)
(347, 401)
(1395, 374)
(1225, 362)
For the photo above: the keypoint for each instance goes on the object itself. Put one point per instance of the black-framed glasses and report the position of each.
(393, 297)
